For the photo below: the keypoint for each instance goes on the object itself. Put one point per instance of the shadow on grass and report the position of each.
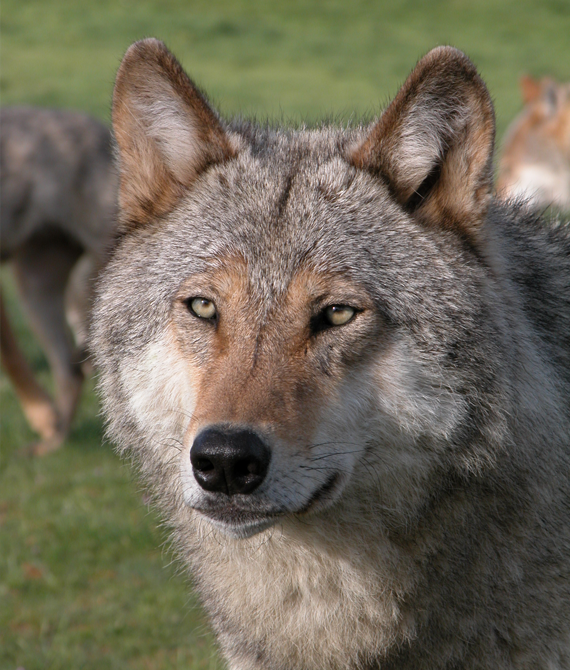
(87, 435)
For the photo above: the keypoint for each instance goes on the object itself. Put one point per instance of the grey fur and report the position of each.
(56, 172)
(449, 545)
(58, 219)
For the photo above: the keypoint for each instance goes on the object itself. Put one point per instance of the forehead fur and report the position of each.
(288, 201)
(264, 204)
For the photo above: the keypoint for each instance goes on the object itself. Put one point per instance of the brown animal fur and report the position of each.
(36, 403)
(535, 160)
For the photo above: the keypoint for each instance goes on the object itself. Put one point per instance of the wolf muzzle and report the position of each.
(229, 461)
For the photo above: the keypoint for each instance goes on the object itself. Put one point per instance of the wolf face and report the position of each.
(284, 292)
(307, 337)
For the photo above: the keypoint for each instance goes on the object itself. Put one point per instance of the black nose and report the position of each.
(229, 461)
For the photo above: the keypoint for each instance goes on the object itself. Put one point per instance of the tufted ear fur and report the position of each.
(434, 143)
(165, 130)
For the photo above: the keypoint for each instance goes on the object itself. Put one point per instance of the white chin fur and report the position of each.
(241, 531)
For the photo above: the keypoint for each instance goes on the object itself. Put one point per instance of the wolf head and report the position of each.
(293, 315)
(535, 160)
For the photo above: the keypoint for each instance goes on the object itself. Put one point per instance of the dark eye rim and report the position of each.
(188, 303)
(320, 322)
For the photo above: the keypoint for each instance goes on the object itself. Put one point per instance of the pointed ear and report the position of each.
(531, 89)
(165, 130)
(434, 143)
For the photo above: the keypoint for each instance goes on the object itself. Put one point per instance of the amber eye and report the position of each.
(202, 308)
(338, 315)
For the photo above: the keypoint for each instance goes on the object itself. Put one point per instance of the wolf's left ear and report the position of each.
(166, 132)
(434, 143)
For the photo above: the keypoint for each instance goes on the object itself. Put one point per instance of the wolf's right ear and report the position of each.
(433, 145)
(166, 132)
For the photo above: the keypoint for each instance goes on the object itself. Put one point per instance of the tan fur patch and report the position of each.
(531, 89)
(261, 369)
(535, 161)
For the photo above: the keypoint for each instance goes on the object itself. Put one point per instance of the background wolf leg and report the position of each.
(36, 403)
(42, 270)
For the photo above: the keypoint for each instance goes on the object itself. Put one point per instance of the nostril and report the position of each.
(246, 467)
(229, 461)
(203, 465)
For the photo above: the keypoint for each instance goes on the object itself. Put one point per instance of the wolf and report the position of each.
(343, 368)
(535, 159)
(59, 208)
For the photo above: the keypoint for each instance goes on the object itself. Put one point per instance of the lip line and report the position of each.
(273, 515)
(243, 524)
(325, 488)
(254, 519)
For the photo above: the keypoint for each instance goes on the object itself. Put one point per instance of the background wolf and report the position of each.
(535, 160)
(344, 370)
(59, 199)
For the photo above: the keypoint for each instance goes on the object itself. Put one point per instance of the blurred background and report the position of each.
(86, 579)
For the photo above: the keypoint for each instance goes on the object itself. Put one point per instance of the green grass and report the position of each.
(295, 57)
(84, 582)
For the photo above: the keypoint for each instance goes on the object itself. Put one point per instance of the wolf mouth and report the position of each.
(239, 522)
(234, 515)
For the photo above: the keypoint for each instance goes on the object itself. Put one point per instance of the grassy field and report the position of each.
(84, 580)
